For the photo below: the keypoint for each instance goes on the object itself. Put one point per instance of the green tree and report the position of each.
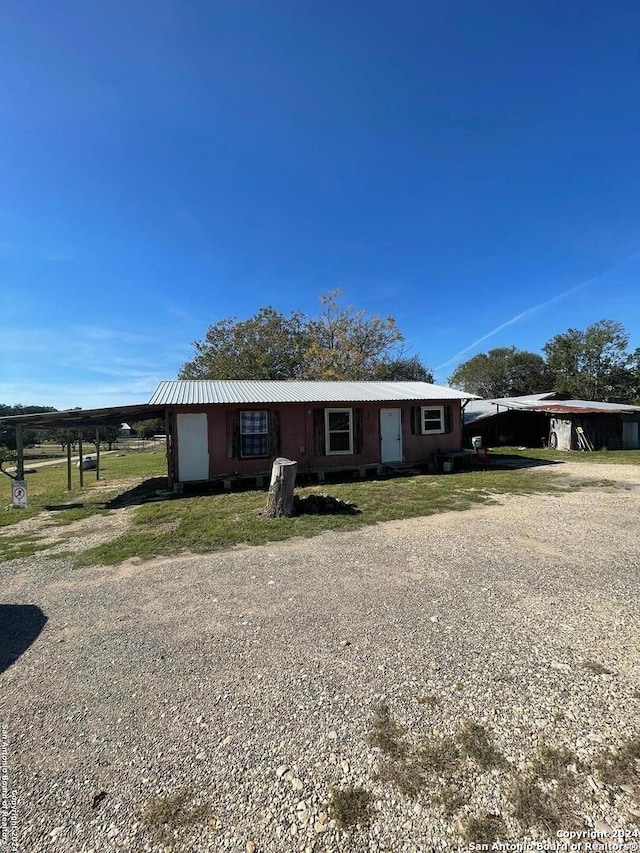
(149, 428)
(592, 364)
(345, 343)
(340, 343)
(502, 372)
(29, 436)
(403, 370)
(266, 346)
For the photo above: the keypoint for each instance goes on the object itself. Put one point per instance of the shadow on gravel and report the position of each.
(61, 507)
(20, 624)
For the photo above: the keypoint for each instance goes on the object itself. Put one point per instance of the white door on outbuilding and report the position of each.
(193, 447)
(390, 435)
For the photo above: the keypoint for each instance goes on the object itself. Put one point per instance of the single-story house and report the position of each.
(553, 420)
(231, 428)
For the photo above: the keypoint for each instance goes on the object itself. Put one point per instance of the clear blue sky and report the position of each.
(167, 164)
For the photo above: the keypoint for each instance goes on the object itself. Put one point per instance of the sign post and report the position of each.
(19, 494)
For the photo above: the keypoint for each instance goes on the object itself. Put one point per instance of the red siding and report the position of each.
(297, 439)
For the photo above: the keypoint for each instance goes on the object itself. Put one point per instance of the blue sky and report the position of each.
(168, 164)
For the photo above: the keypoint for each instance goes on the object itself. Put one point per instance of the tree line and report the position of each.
(590, 364)
(349, 344)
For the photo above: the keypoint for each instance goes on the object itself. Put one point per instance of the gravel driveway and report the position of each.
(247, 680)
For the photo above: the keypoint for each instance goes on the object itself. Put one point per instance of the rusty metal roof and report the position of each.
(574, 407)
(198, 392)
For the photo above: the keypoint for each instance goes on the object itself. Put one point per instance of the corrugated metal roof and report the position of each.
(478, 410)
(191, 392)
(576, 407)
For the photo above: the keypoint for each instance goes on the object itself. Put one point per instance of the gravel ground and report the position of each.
(248, 679)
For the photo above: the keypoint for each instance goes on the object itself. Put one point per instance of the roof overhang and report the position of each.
(81, 418)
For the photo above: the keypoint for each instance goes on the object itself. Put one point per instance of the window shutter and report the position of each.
(233, 434)
(448, 418)
(415, 420)
(318, 432)
(358, 431)
(274, 433)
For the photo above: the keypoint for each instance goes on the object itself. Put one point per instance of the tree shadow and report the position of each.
(20, 625)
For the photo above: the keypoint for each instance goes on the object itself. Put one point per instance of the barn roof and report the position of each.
(548, 403)
(192, 392)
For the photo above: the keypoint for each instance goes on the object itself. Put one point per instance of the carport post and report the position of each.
(97, 453)
(19, 453)
(80, 465)
(68, 460)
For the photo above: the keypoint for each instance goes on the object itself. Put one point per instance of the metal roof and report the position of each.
(74, 418)
(478, 410)
(198, 392)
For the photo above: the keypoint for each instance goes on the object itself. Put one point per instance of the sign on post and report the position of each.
(19, 494)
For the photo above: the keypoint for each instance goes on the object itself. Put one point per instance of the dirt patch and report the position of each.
(77, 535)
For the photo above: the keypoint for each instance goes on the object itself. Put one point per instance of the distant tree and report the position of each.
(149, 428)
(345, 343)
(502, 372)
(403, 370)
(592, 364)
(106, 435)
(29, 436)
(266, 346)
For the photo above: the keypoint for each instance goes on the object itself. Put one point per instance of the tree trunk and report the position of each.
(283, 480)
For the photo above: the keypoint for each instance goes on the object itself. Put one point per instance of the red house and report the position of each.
(221, 429)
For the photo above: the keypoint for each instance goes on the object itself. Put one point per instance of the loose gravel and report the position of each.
(248, 679)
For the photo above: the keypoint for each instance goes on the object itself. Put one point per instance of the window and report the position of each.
(254, 434)
(432, 419)
(338, 431)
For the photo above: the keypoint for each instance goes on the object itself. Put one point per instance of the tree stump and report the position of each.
(283, 480)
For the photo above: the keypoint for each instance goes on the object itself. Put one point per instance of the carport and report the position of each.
(83, 419)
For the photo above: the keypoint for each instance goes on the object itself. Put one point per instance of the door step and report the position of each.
(404, 469)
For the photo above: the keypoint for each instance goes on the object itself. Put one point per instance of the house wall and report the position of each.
(296, 427)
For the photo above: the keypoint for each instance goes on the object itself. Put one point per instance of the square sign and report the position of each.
(19, 494)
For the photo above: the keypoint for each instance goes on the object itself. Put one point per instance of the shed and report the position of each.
(550, 419)
(221, 429)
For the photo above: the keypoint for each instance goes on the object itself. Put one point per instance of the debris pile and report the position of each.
(317, 504)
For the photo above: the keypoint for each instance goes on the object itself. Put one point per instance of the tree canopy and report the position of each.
(341, 342)
(502, 372)
(592, 364)
(589, 364)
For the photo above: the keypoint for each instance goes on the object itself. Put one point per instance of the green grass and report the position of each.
(617, 457)
(206, 523)
(47, 487)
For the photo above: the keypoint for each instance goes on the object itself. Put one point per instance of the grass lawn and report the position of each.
(616, 457)
(201, 523)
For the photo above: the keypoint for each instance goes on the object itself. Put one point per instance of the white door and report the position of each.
(391, 435)
(193, 448)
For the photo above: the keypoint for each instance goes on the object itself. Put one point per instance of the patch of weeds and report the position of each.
(452, 796)
(407, 776)
(483, 829)
(532, 806)
(552, 762)
(476, 743)
(164, 814)
(438, 755)
(15, 547)
(429, 701)
(459, 686)
(387, 735)
(619, 768)
(596, 667)
(350, 806)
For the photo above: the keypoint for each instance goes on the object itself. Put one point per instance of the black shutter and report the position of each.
(448, 418)
(358, 431)
(233, 434)
(318, 432)
(415, 420)
(274, 433)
